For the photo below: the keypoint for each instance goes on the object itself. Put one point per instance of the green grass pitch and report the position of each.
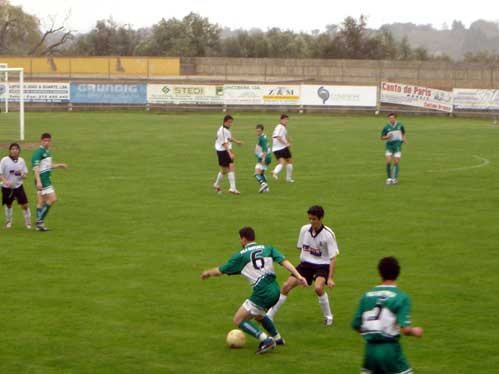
(115, 286)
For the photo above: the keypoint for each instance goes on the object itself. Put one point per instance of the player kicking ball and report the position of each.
(264, 158)
(394, 135)
(256, 263)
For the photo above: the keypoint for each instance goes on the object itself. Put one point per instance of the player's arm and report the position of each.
(404, 136)
(404, 321)
(385, 135)
(214, 272)
(332, 267)
(283, 140)
(412, 331)
(357, 318)
(59, 166)
(238, 142)
(227, 148)
(5, 181)
(36, 171)
(24, 172)
(289, 266)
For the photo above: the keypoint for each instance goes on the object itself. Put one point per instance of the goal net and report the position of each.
(11, 104)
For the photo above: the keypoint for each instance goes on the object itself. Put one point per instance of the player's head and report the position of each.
(392, 117)
(14, 150)
(246, 235)
(315, 215)
(259, 129)
(228, 120)
(46, 138)
(284, 119)
(389, 268)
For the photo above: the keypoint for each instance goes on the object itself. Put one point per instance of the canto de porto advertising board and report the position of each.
(351, 96)
(185, 94)
(416, 96)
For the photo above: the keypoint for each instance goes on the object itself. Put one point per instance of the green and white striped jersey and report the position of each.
(382, 311)
(43, 158)
(396, 132)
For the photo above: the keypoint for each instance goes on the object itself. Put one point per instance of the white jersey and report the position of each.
(12, 170)
(282, 131)
(223, 136)
(317, 249)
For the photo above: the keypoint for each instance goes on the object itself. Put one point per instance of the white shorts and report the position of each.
(396, 154)
(47, 191)
(259, 166)
(254, 309)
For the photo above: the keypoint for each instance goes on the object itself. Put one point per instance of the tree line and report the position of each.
(196, 36)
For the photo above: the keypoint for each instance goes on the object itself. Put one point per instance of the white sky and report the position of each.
(312, 14)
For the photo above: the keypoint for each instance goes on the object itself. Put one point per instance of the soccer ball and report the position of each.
(236, 339)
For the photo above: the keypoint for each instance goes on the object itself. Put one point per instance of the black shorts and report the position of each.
(283, 153)
(224, 158)
(311, 271)
(11, 194)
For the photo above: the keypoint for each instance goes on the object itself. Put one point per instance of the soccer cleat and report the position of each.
(41, 227)
(290, 180)
(266, 190)
(8, 224)
(28, 226)
(234, 192)
(263, 187)
(266, 346)
(280, 341)
(388, 181)
(395, 181)
(275, 176)
(328, 321)
(218, 190)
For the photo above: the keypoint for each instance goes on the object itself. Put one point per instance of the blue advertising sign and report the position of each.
(108, 93)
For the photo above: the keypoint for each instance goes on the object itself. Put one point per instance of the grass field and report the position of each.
(115, 286)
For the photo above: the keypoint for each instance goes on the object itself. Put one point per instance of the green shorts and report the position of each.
(266, 296)
(393, 150)
(385, 358)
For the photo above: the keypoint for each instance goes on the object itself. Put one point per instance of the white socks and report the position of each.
(277, 169)
(220, 176)
(8, 214)
(27, 216)
(232, 180)
(289, 172)
(324, 303)
(272, 311)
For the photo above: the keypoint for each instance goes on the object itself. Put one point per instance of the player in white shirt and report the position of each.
(13, 171)
(223, 146)
(317, 262)
(281, 147)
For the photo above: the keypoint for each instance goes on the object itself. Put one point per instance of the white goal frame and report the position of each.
(6, 70)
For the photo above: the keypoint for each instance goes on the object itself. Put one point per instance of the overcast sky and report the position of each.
(313, 14)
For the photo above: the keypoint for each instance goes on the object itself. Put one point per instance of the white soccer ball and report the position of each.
(236, 339)
(376, 112)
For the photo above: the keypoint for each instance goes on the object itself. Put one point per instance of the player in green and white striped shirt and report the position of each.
(384, 312)
(264, 157)
(394, 135)
(42, 167)
(256, 263)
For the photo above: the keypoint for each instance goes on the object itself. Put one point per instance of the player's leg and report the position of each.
(46, 200)
(280, 164)
(232, 179)
(291, 283)
(242, 318)
(7, 200)
(289, 170)
(388, 159)
(396, 167)
(260, 177)
(22, 200)
(320, 290)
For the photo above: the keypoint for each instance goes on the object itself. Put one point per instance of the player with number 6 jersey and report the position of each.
(256, 263)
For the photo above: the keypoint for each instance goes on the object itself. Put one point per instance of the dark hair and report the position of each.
(316, 210)
(46, 135)
(259, 126)
(228, 117)
(389, 268)
(392, 114)
(14, 145)
(284, 116)
(248, 233)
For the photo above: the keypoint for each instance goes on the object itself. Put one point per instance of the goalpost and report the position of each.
(11, 103)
